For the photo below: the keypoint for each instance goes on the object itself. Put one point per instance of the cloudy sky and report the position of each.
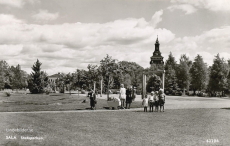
(66, 35)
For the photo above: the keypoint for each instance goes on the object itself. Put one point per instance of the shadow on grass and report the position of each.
(227, 108)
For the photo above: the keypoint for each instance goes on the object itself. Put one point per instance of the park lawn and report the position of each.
(53, 102)
(173, 127)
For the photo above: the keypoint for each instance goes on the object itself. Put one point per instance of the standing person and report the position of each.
(129, 97)
(145, 103)
(156, 100)
(134, 94)
(122, 95)
(161, 99)
(151, 101)
(92, 97)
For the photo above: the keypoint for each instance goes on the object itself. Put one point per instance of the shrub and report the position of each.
(7, 94)
(47, 90)
(82, 91)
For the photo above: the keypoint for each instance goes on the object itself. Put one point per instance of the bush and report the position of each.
(82, 91)
(7, 94)
(47, 90)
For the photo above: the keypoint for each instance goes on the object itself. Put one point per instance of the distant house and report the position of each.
(53, 78)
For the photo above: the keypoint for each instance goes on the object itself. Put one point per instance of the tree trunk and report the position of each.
(108, 90)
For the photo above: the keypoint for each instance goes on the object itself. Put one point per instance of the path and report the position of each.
(172, 102)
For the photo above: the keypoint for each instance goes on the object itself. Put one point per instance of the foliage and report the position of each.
(131, 73)
(108, 69)
(218, 75)
(170, 74)
(38, 79)
(183, 74)
(4, 74)
(92, 75)
(154, 83)
(18, 78)
(8, 94)
(199, 74)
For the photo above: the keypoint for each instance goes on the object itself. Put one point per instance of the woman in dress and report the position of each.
(122, 95)
(92, 97)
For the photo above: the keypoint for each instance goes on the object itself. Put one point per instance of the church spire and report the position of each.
(157, 42)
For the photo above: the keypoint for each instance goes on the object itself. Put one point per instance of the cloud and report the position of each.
(17, 3)
(44, 15)
(213, 5)
(6, 19)
(189, 9)
(156, 18)
(70, 46)
(207, 44)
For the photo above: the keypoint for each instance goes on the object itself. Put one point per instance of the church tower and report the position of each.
(157, 59)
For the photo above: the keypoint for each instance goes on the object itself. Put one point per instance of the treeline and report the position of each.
(197, 75)
(186, 75)
(12, 77)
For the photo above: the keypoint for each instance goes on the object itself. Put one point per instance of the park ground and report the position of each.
(186, 121)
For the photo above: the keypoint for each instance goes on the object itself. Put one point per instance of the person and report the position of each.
(156, 100)
(151, 101)
(134, 94)
(93, 100)
(122, 95)
(161, 99)
(129, 97)
(145, 103)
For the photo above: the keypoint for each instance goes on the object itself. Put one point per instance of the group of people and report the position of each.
(126, 96)
(155, 100)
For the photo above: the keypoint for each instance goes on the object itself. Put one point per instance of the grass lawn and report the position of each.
(173, 127)
(54, 102)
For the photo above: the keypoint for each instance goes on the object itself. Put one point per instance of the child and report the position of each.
(161, 99)
(156, 100)
(145, 103)
(151, 101)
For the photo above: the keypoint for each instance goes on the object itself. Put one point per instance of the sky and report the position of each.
(66, 35)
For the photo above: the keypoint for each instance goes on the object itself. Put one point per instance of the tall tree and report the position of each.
(170, 74)
(108, 69)
(183, 74)
(218, 75)
(199, 74)
(4, 74)
(19, 77)
(37, 79)
(92, 74)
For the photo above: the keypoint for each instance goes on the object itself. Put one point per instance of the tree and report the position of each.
(38, 79)
(183, 74)
(170, 62)
(108, 69)
(154, 83)
(4, 74)
(218, 75)
(131, 73)
(170, 74)
(199, 74)
(92, 74)
(18, 77)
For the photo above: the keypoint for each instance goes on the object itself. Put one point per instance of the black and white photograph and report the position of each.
(114, 72)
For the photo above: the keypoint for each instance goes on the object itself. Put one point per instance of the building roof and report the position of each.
(53, 76)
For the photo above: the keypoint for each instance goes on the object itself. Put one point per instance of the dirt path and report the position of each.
(172, 102)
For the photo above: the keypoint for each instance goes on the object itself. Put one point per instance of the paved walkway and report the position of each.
(172, 102)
